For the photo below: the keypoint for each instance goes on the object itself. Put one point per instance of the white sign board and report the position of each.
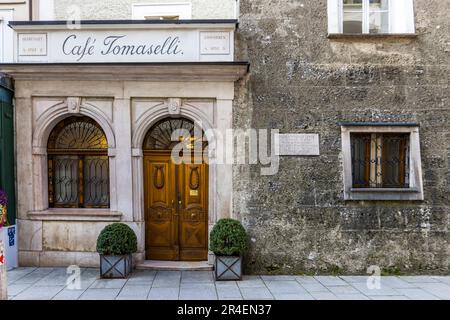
(33, 44)
(124, 45)
(215, 43)
(298, 145)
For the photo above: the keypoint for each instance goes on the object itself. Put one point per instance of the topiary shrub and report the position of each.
(117, 239)
(228, 238)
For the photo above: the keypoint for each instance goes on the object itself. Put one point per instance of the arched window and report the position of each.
(78, 167)
(159, 137)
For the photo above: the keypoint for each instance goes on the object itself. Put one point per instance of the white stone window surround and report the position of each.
(181, 9)
(44, 125)
(414, 192)
(401, 18)
(6, 36)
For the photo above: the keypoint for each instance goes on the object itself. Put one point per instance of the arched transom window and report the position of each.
(78, 167)
(159, 137)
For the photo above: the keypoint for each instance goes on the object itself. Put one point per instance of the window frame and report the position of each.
(401, 20)
(415, 190)
(81, 155)
(162, 10)
(365, 17)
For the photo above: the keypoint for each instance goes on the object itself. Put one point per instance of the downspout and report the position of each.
(30, 9)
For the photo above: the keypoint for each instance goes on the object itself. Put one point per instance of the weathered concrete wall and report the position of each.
(303, 82)
(121, 9)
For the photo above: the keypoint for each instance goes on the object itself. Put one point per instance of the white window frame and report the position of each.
(401, 18)
(181, 9)
(6, 36)
(365, 15)
(415, 190)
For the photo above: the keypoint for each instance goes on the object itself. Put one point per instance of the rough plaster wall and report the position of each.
(303, 82)
(121, 9)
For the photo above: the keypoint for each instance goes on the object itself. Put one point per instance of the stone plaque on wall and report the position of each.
(215, 43)
(32, 44)
(298, 145)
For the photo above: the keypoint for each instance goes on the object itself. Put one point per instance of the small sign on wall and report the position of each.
(214, 43)
(298, 145)
(32, 44)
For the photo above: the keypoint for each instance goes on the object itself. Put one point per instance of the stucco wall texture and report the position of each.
(303, 82)
(121, 9)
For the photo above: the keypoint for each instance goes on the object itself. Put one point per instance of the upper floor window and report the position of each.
(371, 17)
(162, 11)
(78, 165)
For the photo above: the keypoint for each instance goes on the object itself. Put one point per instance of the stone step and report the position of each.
(175, 265)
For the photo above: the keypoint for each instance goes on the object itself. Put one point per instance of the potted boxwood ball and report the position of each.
(228, 241)
(116, 244)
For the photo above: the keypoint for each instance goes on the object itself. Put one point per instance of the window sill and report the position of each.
(56, 214)
(383, 194)
(386, 190)
(371, 35)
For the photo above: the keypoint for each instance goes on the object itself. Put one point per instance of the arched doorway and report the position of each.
(175, 194)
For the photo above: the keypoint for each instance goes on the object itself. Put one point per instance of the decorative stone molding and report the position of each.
(73, 104)
(75, 215)
(174, 106)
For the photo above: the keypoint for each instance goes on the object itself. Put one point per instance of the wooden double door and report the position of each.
(176, 208)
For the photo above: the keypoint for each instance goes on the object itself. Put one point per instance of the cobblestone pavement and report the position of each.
(50, 283)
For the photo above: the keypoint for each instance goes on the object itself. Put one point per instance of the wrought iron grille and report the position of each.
(159, 137)
(380, 160)
(78, 166)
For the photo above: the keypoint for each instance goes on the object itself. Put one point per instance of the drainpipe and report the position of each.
(30, 9)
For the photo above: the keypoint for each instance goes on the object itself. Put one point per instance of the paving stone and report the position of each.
(282, 287)
(395, 283)
(256, 293)
(417, 294)
(67, 294)
(338, 290)
(419, 279)
(293, 296)
(15, 289)
(228, 292)
(134, 291)
(315, 287)
(197, 276)
(438, 289)
(306, 280)
(168, 279)
(100, 294)
(207, 293)
(251, 282)
(277, 278)
(388, 298)
(323, 296)
(353, 297)
(331, 281)
(383, 291)
(354, 279)
(165, 293)
(39, 293)
(108, 284)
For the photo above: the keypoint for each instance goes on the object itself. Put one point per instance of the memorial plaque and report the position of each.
(214, 43)
(32, 44)
(298, 145)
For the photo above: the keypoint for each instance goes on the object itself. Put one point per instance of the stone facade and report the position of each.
(121, 9)
(303, 82)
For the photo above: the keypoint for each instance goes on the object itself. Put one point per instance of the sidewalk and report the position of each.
(50, 283)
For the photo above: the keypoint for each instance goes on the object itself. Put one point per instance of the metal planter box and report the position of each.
(112, 267)
(9, 238)
(228, 268)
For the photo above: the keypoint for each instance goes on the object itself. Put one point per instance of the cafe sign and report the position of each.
(125, 45)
